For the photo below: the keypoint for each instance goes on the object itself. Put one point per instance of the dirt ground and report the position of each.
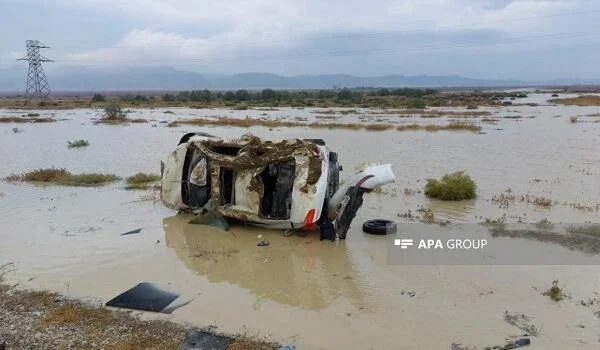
(45, 320)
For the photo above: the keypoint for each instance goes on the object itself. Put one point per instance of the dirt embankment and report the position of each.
(44, 320)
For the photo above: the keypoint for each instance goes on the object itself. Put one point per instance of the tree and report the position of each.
(268, 94)
(168, 97)
(229, 96)
(344, 94)
(98, 98)
(242, 95)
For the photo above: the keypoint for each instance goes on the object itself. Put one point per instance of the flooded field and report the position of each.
(529, 162)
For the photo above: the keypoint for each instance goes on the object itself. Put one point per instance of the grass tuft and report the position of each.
(141, 181)
(378, 127)
(41, 175)
(72, 314)
(542, 202)
(588, 230)
(241, 107)
(452, 187)
(26, 119)
(555, 292)
(585, 100)
(454, 126)
(77, 143)
(90, 179)
(63, 177)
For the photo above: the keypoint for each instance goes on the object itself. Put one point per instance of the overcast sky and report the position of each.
(521, 39)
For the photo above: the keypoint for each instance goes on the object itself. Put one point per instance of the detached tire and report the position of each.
(380, 227)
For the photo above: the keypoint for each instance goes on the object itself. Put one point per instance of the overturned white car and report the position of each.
(283, 184)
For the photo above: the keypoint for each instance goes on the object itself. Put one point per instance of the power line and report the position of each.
(343, 53)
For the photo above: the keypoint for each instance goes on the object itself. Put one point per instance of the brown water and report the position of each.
(300, 290)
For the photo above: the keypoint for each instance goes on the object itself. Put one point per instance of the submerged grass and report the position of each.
(270, 123)
(585, 100)
(63, 177)
(588, 230)
(77, 143)
(26, 119)
(453, 187)
(454, 126)
(141, 181)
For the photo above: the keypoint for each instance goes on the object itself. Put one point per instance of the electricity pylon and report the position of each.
(37, 84)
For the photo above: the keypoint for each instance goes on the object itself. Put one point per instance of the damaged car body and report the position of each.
(285, 184)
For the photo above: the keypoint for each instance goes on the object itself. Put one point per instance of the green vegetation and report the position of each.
(272, 123)
(98, 98)
(141, 181)
(77, 143)
(456, 126)
(25, 119)
(588, 230)
(241, 107)
(364, 97)
(113, 112)
(63, 177)
(454, 187)
(407, 97)
(555, 292)
(428, 216)
(542, 202)
(585, 100)
(416, 103)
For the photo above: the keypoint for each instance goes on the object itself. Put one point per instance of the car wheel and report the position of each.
(380, 227)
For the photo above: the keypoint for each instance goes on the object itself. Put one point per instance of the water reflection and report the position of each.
(295, 271)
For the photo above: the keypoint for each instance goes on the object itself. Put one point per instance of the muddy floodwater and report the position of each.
(299, 290)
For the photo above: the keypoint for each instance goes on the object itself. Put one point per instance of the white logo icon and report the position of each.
(403, 243)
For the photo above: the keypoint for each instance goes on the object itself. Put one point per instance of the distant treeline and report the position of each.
(379, 98)
(287, 95)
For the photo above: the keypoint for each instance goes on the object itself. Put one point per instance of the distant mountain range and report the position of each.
(166, 78)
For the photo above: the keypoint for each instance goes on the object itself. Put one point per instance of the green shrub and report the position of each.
(113, 112)
(555, 292)
(452, 187)
(141, 181)
(77, 143)
(416, 103)
(98, 98)
(241, 107)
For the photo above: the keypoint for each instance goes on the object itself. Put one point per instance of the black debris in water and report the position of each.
(145, 296)
(138, 230)
(517, 344)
